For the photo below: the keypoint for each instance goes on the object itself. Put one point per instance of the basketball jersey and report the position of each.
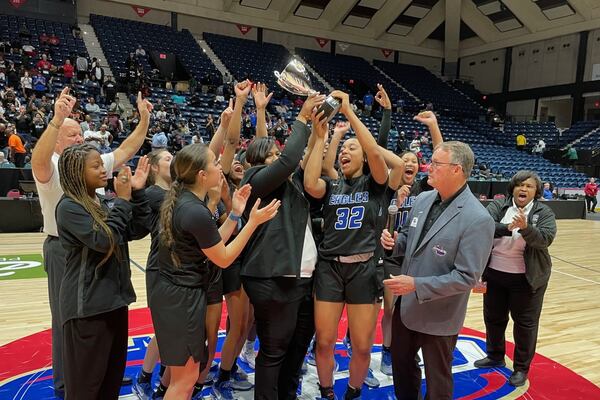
(352, 213)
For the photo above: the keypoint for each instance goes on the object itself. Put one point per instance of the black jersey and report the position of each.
(155, 195)
(193, 229)
(352, 211)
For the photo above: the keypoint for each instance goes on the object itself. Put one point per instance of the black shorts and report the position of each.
(350, 283)
(214, 294)
(232, 280)
(179, 318)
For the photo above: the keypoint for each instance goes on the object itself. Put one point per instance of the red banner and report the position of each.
(387, 52)
(322, 42)
(17, 3)
(141, 11)
(243, 28)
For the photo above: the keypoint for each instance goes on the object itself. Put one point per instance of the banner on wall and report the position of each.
(595, 72)
(343, 46)
(141, 11)
(17, 3)
(322, 42)
(387, 52)
(243, 28)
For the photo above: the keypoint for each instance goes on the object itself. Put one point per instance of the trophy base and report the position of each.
(331, 106)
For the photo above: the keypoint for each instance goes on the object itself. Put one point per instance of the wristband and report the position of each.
(234, 217)
(52, 124)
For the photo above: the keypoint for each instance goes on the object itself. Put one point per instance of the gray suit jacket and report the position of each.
(447, 263)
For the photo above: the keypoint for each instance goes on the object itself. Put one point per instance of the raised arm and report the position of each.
(313, 184)
(41, 157)
(386, 119)
(329, 160)
(134, 141)
(216, 142)
(233, 133)
(375, 159)
(261, 99)
(309, 147)
(429, 119)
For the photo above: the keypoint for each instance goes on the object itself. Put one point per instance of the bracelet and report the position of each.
(52, 124)
(234, 217)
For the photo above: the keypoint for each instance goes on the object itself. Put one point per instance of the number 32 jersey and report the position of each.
(351, 211)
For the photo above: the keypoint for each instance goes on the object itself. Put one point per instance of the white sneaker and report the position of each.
(248, 354)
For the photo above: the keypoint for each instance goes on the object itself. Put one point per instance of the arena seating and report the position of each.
(429, 88)
(340, 69)
(578, 130)
(119, 37)
(533, 131)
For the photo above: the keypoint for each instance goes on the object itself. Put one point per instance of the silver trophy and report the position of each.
(295, 79)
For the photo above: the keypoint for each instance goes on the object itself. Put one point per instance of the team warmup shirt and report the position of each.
(352, 210)
(155, 195)
(193, 229)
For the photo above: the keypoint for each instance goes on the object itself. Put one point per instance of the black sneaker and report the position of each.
(517, 378)
(489, 363)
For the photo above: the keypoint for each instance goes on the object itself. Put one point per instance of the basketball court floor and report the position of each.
(567, 365)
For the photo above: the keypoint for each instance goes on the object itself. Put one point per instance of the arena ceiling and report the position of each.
(440, 28)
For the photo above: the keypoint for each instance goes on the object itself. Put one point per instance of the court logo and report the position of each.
(21, 266)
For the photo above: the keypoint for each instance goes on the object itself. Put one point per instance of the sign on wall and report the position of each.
(141, 11)
(322, 42)
(387, 52)
(596, 72)
(17, 3)
(244, 28)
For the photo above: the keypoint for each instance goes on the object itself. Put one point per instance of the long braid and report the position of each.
(185, 165)
(71, 167)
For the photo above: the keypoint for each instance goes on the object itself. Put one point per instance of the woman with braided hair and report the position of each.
(96, 288)
(188, 238)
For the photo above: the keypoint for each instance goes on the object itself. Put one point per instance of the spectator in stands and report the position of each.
(539, 148)
(548, 195)
(38, 125)
(591, 191)
(82, 67)
(2, 76)
(26, 84)
(571, 155)
(368, 103)
(159, 140)
(28, 49)
(140, 52)
(12, 76)
(92, 109)
(68, 71)
(116, 107)
(44, 38)
(415, 145)
(484, 171)
(4, 163)
(178, 98)
(86, 124)
(24, 31)
(39, 84)
(76, 32)
(517, 273)
(110, 90)
(44, 64)
(521, 141)
(53, 40)
(96, 72)
(23, 121)
(17, 151)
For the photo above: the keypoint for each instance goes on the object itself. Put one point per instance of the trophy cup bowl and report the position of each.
(295, 79)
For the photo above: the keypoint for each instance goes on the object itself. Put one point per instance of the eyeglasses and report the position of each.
(437, 164)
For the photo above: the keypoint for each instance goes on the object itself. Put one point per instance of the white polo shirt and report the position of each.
(51, 192)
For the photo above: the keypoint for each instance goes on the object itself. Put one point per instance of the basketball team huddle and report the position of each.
(288, 237)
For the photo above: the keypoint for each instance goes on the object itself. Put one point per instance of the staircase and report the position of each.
(574, 142)
(93, 47)
(418, 100)
(212, 56)
(314, 73)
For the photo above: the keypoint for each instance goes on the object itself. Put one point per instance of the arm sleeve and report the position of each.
(384, 128)
(542, 235)
(139, 226)
(76, 224)
(198, 222)
(471, 258)
(495, 212)
(269, 178)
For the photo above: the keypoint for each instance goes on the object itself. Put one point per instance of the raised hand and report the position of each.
(261, 215)
(345, 99)
(138, 180)
(320, 124)
(314, 100)
(63, 106)
(259, 93)
(426, 117)
(144, 106)
(239, 199)
(122, 184)
(341, 127)
(242, 89)
(226, 114)
(382, 97)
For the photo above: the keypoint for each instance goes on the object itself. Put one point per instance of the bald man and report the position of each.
(63, 132)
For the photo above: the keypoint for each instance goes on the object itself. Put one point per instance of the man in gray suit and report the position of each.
(446, 242)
